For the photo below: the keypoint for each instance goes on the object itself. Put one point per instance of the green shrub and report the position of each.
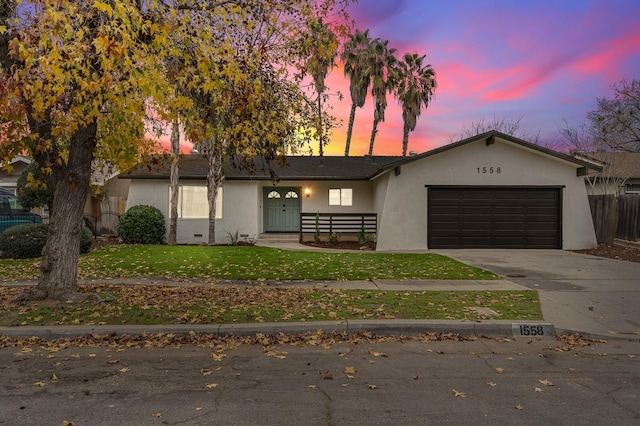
(27, 241)
(370, 240)
(86, 240)
(23, 241)
(334, 238)
(142, 225)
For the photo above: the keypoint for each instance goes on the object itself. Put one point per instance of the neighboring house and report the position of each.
(488, 191)
(9, 179)
(620, 173)
(107, 201)
(103, 206)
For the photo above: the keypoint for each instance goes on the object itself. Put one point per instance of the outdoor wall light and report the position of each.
(307, 192)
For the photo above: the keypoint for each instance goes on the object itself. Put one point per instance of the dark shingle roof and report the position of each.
(296, 168)
(329, 168)
(618, 164)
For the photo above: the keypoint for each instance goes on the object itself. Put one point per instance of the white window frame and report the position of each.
(341, 197)
(203, 212)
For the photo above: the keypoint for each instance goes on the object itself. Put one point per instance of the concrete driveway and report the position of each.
(579, 293)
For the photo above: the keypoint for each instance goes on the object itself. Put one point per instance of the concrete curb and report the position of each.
(377, 327)
(589, 335)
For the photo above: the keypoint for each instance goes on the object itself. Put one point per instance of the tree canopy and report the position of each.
(83, 80)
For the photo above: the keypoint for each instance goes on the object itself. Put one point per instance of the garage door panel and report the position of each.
(474, 194)
(508, 210)
(509, 226)
(494, 217)
(476, 210)
(444, 210)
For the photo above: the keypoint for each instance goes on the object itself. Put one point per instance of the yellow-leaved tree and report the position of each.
(80, 79)
(248, 105)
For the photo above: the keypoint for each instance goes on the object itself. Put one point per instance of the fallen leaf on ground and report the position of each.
(546, 382)
(113, 361)
(40, 384)
(218, 357)
(458, 394)
(539, 390)
(372, 387)
(492, 384)
(519, 407)
(327, 376)
(378, 354)
(350, 370)
(212, 386)
(205, 371)
(124, 370)
(157, 415)
(416, 377)
(499, 370)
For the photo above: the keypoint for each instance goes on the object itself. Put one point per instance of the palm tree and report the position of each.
(355, 56)
(382, 68)
(415, 87)
(320, 46)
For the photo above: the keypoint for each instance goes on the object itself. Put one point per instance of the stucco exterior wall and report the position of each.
(239, 213)
(117, 188)
(318, 199)
(399, 199)
(406, 199)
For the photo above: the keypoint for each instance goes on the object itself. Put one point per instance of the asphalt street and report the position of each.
(481, 381)
(504, 380)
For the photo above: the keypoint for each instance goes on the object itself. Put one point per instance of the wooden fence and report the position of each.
(615, 217)
(327, 223)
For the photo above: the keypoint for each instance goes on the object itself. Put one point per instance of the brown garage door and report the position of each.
(494, 217)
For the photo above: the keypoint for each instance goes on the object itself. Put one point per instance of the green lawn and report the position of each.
(254, 263)
(139, 304)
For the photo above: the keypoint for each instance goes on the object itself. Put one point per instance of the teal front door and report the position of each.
(281, 209)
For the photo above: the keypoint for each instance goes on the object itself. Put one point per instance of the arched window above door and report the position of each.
(273, 194)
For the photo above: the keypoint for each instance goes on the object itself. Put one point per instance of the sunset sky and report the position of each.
(543, 60)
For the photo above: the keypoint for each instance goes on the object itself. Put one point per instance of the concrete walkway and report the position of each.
(579, 294)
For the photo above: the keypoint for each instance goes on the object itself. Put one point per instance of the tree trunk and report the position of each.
(352, 117)
(70, 182)
(173, 202)
(215, 177)
(374, 131)
(405, 141)
(320, 137)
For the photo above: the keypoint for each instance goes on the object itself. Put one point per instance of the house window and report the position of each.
(193, 202)
(291, 194)
(273, 194)
(340, 197)
(632, 188)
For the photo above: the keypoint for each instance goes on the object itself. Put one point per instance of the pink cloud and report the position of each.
(606, 60)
